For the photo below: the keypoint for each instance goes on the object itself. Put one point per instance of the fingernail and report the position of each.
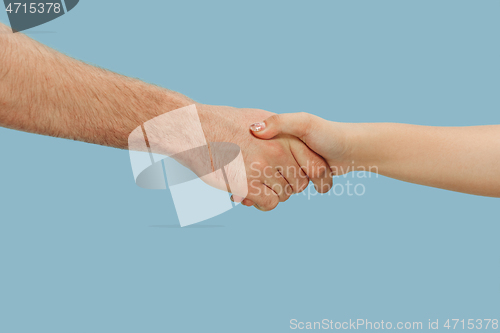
(257, 127)
(236, 198)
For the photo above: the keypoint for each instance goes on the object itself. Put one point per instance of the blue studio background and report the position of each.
(83, 249)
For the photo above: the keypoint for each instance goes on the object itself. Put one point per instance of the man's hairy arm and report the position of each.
(45, 92)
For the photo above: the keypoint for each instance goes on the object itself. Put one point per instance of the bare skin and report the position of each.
(462, 159)
(45, 92)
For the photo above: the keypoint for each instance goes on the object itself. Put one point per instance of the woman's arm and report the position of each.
(462, 159)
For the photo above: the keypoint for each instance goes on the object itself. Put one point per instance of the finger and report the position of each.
(313, 165)
(262, 196)
(295, 176)
(296, 124)
(247, 202)
(269, 173)
(236, 198)
(243, 201)
(279, 184)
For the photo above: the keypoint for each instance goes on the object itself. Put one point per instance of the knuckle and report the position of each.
(275, 119)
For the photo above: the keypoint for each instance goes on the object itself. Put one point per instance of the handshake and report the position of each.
(283, 153)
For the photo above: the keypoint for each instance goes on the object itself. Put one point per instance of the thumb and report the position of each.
(295, 124)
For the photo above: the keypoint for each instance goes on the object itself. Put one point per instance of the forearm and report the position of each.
(463, 159)
(45, 92)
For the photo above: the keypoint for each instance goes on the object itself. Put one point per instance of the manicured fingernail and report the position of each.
(257, 127)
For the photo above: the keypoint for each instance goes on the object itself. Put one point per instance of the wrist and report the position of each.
(219, 123)
(363, 152)
(150, 102)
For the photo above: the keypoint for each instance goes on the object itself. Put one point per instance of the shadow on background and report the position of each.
(187, 227)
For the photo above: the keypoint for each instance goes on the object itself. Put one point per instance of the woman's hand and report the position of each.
(329, 139)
